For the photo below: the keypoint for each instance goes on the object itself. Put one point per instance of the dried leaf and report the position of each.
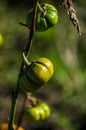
(72, 14)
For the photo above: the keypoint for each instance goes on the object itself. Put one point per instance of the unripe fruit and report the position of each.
(32, 114)
(36, 75)
(51, 15)
(45, 19)
(37, 113)
(41, 112)
(1, 40)
(46, 108)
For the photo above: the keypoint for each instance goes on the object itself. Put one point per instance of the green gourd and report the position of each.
(37, 113)
(45, 19)
(36, 74)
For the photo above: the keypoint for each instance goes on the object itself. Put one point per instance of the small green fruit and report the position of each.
(41, 112)
(1, 40)
(45, 19)
(32, 114)
(37, 113)
(36, 75)
(46, 108)
(51, 15)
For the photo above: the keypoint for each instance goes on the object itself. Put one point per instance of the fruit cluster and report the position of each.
(39, 72)
(36, 74)
(37, 113)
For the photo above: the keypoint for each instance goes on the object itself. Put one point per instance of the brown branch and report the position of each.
(68, 4)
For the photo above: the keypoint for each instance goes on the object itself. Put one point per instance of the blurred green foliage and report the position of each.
(66, 92)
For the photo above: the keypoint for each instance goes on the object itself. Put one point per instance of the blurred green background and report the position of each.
(66, 91)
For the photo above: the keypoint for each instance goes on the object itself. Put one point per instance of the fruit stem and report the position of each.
(39, 8)
(25, 59)
(27, 52)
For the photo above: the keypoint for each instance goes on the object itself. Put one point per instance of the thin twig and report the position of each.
(23, 24)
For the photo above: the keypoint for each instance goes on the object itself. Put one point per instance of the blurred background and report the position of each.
(66, 91)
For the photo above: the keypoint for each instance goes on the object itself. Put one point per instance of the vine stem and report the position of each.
(39, 9)
(32, 30)
(27, 52)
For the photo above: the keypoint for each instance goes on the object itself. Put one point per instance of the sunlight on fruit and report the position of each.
(1, 40)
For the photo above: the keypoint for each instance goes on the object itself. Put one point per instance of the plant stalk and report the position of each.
(39, 8)
(27, 52)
